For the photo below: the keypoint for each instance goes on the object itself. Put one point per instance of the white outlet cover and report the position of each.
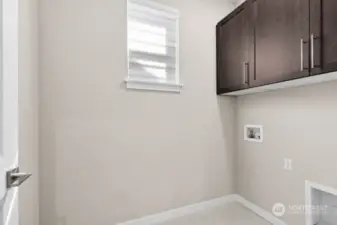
(256, 130)
(288, 164)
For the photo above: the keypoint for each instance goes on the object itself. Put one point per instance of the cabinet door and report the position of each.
(281, 40)
(234, 42)
(323, 26)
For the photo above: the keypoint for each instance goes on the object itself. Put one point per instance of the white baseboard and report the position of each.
(176, 213)
(259, 211)
(198, 207)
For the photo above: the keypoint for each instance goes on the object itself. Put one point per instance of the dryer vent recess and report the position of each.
(253, 133)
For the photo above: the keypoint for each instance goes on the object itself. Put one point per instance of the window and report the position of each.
(153, 47)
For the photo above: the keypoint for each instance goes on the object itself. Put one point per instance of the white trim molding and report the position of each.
(176, 213)
(202, 206)
(152, 86)
(259, 211)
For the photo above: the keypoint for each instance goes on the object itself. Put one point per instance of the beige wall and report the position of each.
(299, 124)
(108, 154)
(28, 115)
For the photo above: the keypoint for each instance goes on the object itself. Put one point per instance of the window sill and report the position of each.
(152, 86)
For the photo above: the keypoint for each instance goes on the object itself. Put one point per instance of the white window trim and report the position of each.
(142, 84)
(139, 84)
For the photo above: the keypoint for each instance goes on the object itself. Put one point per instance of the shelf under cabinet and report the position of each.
(287, 84)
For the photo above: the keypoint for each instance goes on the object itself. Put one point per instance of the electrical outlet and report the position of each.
(288, 164)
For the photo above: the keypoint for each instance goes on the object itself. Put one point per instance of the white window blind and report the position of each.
(153, 46)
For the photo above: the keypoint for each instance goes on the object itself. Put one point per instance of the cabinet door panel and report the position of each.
(233, 47)
(280, 55)
(323, 25)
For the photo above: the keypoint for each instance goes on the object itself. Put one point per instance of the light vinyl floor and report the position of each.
(230, 214)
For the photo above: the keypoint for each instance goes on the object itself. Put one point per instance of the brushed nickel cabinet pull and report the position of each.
(302, 63)
(246, 72)
(312, 39)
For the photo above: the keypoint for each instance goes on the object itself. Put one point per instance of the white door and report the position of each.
(9, 113)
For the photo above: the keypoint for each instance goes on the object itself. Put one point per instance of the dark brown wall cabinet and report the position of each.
(264, 42)
(234, 45)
